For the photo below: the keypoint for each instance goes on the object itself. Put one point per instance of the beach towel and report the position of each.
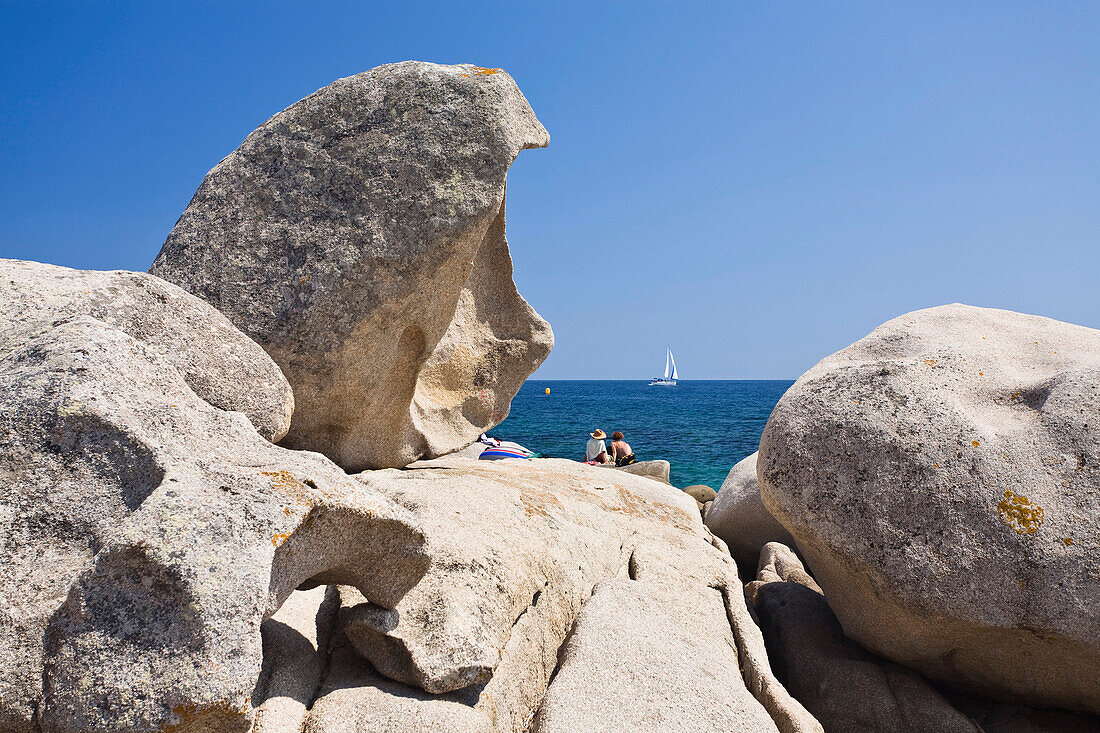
(496, 453)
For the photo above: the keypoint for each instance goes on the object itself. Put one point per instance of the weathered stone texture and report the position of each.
(147, 534)
(942, 479)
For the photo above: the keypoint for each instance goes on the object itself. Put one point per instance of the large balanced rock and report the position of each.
(147, 533)
(218, 363)
(358, 236)
(942, 480)
(525, 551)
(740, 518)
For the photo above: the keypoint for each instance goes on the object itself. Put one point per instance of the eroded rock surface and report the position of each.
(358, 236)
(518, 549)
(739, 516)
(147, 534)
(942, 479)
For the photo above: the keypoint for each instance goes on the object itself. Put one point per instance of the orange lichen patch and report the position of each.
(930, 362)
(634, 506)
(1019, 513)
(289, 484)
(981, 374)
(975, 443)
(279, 538)
(1067, 541)
(1015, 396)
(192, 718)
(537, 501)
(482, 71)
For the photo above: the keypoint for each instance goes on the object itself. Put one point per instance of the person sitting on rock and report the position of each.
(620, 450)
(596, 450)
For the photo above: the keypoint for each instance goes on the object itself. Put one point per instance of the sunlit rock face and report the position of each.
(219, 363)
(941, 477)
(358, 236)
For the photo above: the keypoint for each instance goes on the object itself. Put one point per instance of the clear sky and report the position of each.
(756, 184)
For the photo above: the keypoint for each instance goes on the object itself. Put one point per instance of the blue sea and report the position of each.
(701, 427)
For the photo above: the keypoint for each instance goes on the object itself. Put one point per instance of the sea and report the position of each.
(701, 427)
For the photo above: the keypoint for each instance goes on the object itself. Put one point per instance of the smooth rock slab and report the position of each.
(942, 479)
(296, 641)
(634, 663)
(657, 470)
(359, 237)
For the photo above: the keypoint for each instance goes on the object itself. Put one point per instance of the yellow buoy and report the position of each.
(547, 390)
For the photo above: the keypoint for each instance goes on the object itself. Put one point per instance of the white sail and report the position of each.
(669, 380)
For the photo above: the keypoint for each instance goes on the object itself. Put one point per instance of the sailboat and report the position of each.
(669, 380)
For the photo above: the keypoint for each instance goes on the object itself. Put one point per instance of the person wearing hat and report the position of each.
(596, 450)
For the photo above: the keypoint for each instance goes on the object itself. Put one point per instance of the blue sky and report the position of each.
(756, 184)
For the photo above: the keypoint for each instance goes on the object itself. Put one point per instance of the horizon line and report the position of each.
(643, 379)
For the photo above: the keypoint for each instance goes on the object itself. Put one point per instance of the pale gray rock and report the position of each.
(739, 517)
(779, 564)
(296, 641)
(788, 713)
(634, 663)
(354, 698)
(502, 533)
(841, 684)
(849, 689)
(146, 536)
(219, 363)
(358, 236)
(942, 479)
(518, 547)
